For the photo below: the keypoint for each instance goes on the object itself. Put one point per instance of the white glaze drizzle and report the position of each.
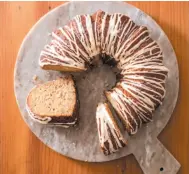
(115, 30)
(106, 124)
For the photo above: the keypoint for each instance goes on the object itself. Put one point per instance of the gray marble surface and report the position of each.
(81, 142)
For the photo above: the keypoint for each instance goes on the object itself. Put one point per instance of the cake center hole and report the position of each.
(99, 78)
(91, 86)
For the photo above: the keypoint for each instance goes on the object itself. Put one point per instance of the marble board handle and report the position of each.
(154, 158)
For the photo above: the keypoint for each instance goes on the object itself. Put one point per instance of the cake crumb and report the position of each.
(35, 77)
(106, 84)
(36, 80)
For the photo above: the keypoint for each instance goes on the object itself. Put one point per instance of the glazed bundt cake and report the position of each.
(110, 137)
(113, 37)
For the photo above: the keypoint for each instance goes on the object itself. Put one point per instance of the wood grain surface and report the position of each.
(22, 153)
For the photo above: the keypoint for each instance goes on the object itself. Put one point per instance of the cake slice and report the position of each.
(110, 136)
(54, 102)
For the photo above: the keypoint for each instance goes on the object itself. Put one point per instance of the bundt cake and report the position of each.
(54, 102)
(113, 37)
(110, 137)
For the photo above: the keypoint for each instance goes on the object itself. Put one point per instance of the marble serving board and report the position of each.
(81, 142)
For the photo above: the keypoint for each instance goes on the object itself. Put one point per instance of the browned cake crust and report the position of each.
(65, 120)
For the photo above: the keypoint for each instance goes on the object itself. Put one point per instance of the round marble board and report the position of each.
(81, 142)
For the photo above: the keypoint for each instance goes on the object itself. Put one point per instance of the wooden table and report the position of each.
(22, 153)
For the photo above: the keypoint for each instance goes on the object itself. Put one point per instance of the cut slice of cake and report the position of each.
(110, 136)
(54, 102)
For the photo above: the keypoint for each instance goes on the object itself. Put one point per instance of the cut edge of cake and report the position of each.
(64, 68)
(64, 120)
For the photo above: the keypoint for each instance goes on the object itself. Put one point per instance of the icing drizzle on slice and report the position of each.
(110, 137)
